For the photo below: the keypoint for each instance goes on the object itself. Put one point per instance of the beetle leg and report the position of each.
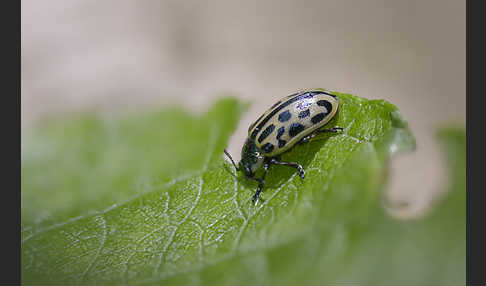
(261, 183)
(333, 130)
(324, 130)
(292, 164)
(307, 138)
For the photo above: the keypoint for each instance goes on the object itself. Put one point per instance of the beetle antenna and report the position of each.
(229, 156)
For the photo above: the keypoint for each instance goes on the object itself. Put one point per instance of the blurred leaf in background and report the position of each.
(193, 221)
(88, 163)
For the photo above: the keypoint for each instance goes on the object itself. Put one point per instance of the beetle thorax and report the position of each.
(251, 158)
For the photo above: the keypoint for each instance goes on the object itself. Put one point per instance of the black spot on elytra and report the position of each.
(281, 143)
(266, 132)
(304, 114)
(280, 132)
(318, 117)
(296, 128)
(267, 148)
(276, 110)
(326, 104)
(284, 116)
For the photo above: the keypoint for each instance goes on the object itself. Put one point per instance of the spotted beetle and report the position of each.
(292, 120)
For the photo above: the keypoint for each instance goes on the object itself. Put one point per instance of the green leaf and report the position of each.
(87, 163)
(201, 228)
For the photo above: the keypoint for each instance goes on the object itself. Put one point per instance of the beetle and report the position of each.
(292, 120)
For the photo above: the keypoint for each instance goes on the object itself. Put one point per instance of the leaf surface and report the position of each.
(201, 228)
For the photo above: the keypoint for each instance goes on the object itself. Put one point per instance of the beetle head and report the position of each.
(251, 158)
